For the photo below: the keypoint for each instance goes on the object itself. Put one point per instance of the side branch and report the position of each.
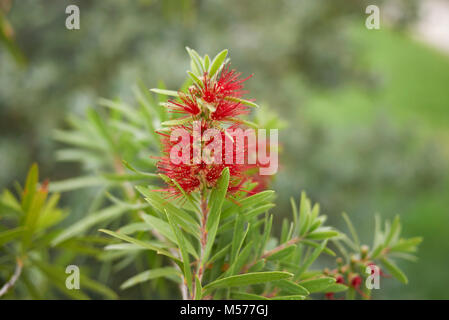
(17, 272)
(271, 252)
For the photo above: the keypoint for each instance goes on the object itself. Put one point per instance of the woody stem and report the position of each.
(14, 278)
(203, 235)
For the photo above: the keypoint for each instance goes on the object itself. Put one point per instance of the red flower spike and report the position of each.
(217, 94)
(194, 176)
(228, 85)
(339, 279)
(189, 104)
(211, 101)
(356, 281)
(329, 295)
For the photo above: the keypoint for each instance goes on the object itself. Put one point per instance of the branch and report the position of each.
(271, 252)
(17, 272)
(203, 241)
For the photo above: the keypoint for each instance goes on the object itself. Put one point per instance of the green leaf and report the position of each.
(394, 270)
(206, 62)
(304, 214)
(282, 253)
(183, 248)
(92, 219)
(243, 101)
(221, 253)
(247, 279)
(291, 287)
(187, 222)
(198, 289)
(292, 297)
(318, 285)
(195, 79)
(150, 275)
(322, 233)
(102, 129)
(241, 259)
(57, 278)
(176, 122)
(336, 287)
(33, 214)
(188, 197)
(308, 262)
(79, 139)
(164, 228)
(316, 245)
(394, 231)
(196, 62)
(10, 234)
(9, 203)
(165, 92)
(217, 197)
(97, 287)
(77, 183)
(134, 227)
(408, 245)
(239, 237)
(256, 199)
(140, 243)
(139, 172)
(294, 212)
(266, 234)
(30, 187)
(217, 62)
(352, 230)
(128, 111)
(247, 296)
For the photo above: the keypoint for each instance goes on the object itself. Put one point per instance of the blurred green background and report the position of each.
(368, 110)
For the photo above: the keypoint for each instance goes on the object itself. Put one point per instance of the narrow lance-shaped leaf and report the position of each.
(89, 221)
(30, 187)
(317, 285)
(351, 229)
(315, 254)
(247, 279)
(147, 275)
(215, 203)
(165, 92)
(290, 287)
(217, 62)
(164, 228)
(243, 101)
(9, 235)
(141, 244)
(394, 270)
(183, 248)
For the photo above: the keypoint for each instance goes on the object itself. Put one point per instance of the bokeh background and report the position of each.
(367, 110)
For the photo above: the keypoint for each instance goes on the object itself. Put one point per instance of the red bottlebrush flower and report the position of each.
(356, 281)
(381, 273)
(189, 104)
(339, 279)
(262, 182)
(216, 94)
(329, 295)
(226, 109)
(192, 176)
(228, 84)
